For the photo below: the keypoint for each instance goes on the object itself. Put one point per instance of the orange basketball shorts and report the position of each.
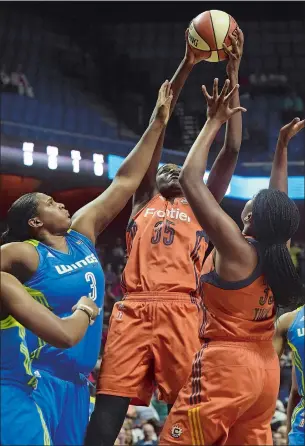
(152, 340)
(229, 398)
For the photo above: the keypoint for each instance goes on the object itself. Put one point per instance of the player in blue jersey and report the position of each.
(22, 422)
(55, 258)
(290, 329)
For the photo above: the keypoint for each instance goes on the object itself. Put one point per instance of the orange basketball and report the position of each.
(209, 30)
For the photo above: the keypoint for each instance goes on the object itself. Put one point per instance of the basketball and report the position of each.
(208, 31)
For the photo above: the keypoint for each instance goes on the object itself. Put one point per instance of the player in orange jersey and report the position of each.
(231, 393)
(153, 333)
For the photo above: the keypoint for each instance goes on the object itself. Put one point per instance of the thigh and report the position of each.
(296, 436)
(212, 400)
(50, 397)
(254, 425)
(126, 368)
(73, 423)
(22, 422)
(176, 340)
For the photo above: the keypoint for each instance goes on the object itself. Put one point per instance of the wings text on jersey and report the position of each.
(174, 214)
(63, 269)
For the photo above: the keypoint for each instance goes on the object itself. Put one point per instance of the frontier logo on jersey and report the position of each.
(174, 214)
(176, 431)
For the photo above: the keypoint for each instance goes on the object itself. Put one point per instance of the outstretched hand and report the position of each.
(290, 130)
(192, 55)
(164, 102)
(235, 54)
(219, 104)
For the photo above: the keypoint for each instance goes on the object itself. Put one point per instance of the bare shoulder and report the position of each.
(285, 320)
(19, 259)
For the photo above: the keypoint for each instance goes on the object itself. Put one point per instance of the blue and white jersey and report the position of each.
(296, 341)
(60, 281)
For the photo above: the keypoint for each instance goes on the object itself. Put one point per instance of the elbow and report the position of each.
(188, 178)
(69, 341)
(66, 341)
(184, 177)
(232, 149)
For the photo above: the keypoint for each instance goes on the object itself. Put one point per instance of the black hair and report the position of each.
(275, 220)
(21, 211)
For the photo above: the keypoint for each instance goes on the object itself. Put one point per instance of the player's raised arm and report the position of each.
(61, 333)
(96, 216)
(279, 172)
(225, 163)
(221, 229)
(147, 188)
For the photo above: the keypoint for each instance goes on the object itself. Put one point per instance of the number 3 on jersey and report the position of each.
(169, 233)
(90, 277)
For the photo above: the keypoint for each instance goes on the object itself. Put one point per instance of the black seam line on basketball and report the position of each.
(228, 27)
(214, 33)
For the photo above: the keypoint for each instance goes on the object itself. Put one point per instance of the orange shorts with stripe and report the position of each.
(229, 398)
(152, 340)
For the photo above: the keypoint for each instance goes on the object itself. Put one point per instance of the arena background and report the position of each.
(78, 83)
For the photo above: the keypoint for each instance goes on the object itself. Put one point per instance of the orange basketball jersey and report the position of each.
(243, 310)
(165, 248)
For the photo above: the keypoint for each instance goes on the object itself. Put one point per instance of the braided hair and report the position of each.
(21, 211)
(275, 220)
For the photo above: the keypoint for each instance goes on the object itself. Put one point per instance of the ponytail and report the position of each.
(282, 277)
(275, 220)
(21, 211)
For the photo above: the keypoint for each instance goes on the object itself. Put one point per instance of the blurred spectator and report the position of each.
(110, 276)
(118, 250)
(149, 436)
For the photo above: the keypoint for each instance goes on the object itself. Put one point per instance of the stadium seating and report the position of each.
(57, 68)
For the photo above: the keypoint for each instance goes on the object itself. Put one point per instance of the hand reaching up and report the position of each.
(290, 130)
(235, 54)
(219, 104)
(164, 102)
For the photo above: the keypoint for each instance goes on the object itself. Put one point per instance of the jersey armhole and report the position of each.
(35, 243)
(82, 237)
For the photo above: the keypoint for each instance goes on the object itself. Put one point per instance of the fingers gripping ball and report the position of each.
(209, 31)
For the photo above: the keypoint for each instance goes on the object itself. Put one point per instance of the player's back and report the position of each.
(15, 358)
(242, 310)
(296, 340)
(165, 247)
(59, 282)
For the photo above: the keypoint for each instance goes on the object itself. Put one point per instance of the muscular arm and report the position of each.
(279, 171)
(147, 188)
(225, 163)
(280, 335)
(293, 400)
(93, 218)
(221, 229)
(19, 259)
(16, 301)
